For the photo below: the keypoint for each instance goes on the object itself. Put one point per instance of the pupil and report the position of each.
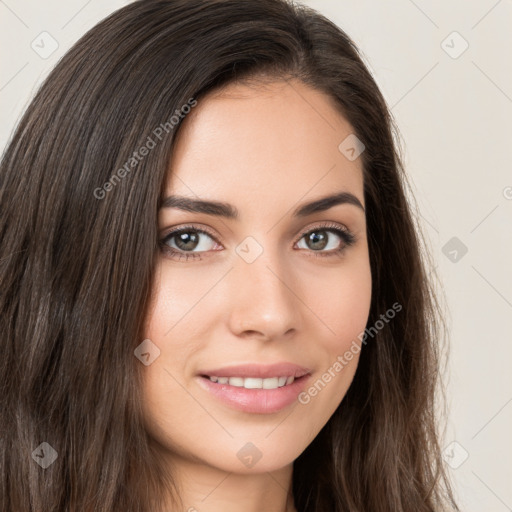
(315, 238)
(187, 241)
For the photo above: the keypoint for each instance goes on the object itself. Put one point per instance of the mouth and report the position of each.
(254, 382)
(256, 389)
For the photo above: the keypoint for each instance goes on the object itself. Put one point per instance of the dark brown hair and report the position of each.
(77, 260)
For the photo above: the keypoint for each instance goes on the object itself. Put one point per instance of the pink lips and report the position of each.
(258, 370)
(258, 401)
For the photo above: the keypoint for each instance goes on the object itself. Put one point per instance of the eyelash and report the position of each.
(347, 237)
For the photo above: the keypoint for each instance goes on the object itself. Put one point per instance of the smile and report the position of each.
(249, 395)
(254, 382)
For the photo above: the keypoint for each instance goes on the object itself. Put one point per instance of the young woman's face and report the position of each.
(266, 295)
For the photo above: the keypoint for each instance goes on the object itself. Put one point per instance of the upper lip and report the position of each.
(258, 370)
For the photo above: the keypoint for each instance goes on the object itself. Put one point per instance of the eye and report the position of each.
(324, 240)
(189, 242)
(179, 243)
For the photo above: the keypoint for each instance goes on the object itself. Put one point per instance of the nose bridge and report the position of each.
(263, 296)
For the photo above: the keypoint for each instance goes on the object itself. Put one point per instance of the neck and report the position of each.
(204, 488)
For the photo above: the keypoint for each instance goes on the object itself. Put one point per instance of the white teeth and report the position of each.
(251, 383)
(271, 383)
(236, 381)
(254, 382)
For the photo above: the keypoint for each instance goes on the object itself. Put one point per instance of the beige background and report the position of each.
(453, 106)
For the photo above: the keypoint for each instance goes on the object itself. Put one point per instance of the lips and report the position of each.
(254, 388)
(258, 371)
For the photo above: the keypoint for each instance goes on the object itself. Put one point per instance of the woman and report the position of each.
(213, 295)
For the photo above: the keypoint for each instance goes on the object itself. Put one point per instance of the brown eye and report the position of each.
(326, 240)
(187, 242)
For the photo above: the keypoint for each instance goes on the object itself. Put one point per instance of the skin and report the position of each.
(265, 148)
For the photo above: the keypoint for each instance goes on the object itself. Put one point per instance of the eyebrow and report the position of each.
(229, 211)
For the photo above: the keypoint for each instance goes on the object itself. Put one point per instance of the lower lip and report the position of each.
(258, 401)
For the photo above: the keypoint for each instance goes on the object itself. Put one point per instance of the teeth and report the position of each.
(236, 381)
(254, 382)
(271, 383)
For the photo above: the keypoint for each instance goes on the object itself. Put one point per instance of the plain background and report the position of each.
(445, 69)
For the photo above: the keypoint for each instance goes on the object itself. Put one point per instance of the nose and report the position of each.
(265, 300)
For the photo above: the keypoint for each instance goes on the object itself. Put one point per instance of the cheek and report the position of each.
(343, 305)
(177, 310)
(167, 316)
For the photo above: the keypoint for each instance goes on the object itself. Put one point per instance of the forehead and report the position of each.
(274, 142)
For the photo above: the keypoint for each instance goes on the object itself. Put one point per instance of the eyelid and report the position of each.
(324, 225)
(184, 227)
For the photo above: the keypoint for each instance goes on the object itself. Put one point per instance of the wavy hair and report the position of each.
(78, 255)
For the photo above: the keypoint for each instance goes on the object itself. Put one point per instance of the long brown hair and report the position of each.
(79, 239)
